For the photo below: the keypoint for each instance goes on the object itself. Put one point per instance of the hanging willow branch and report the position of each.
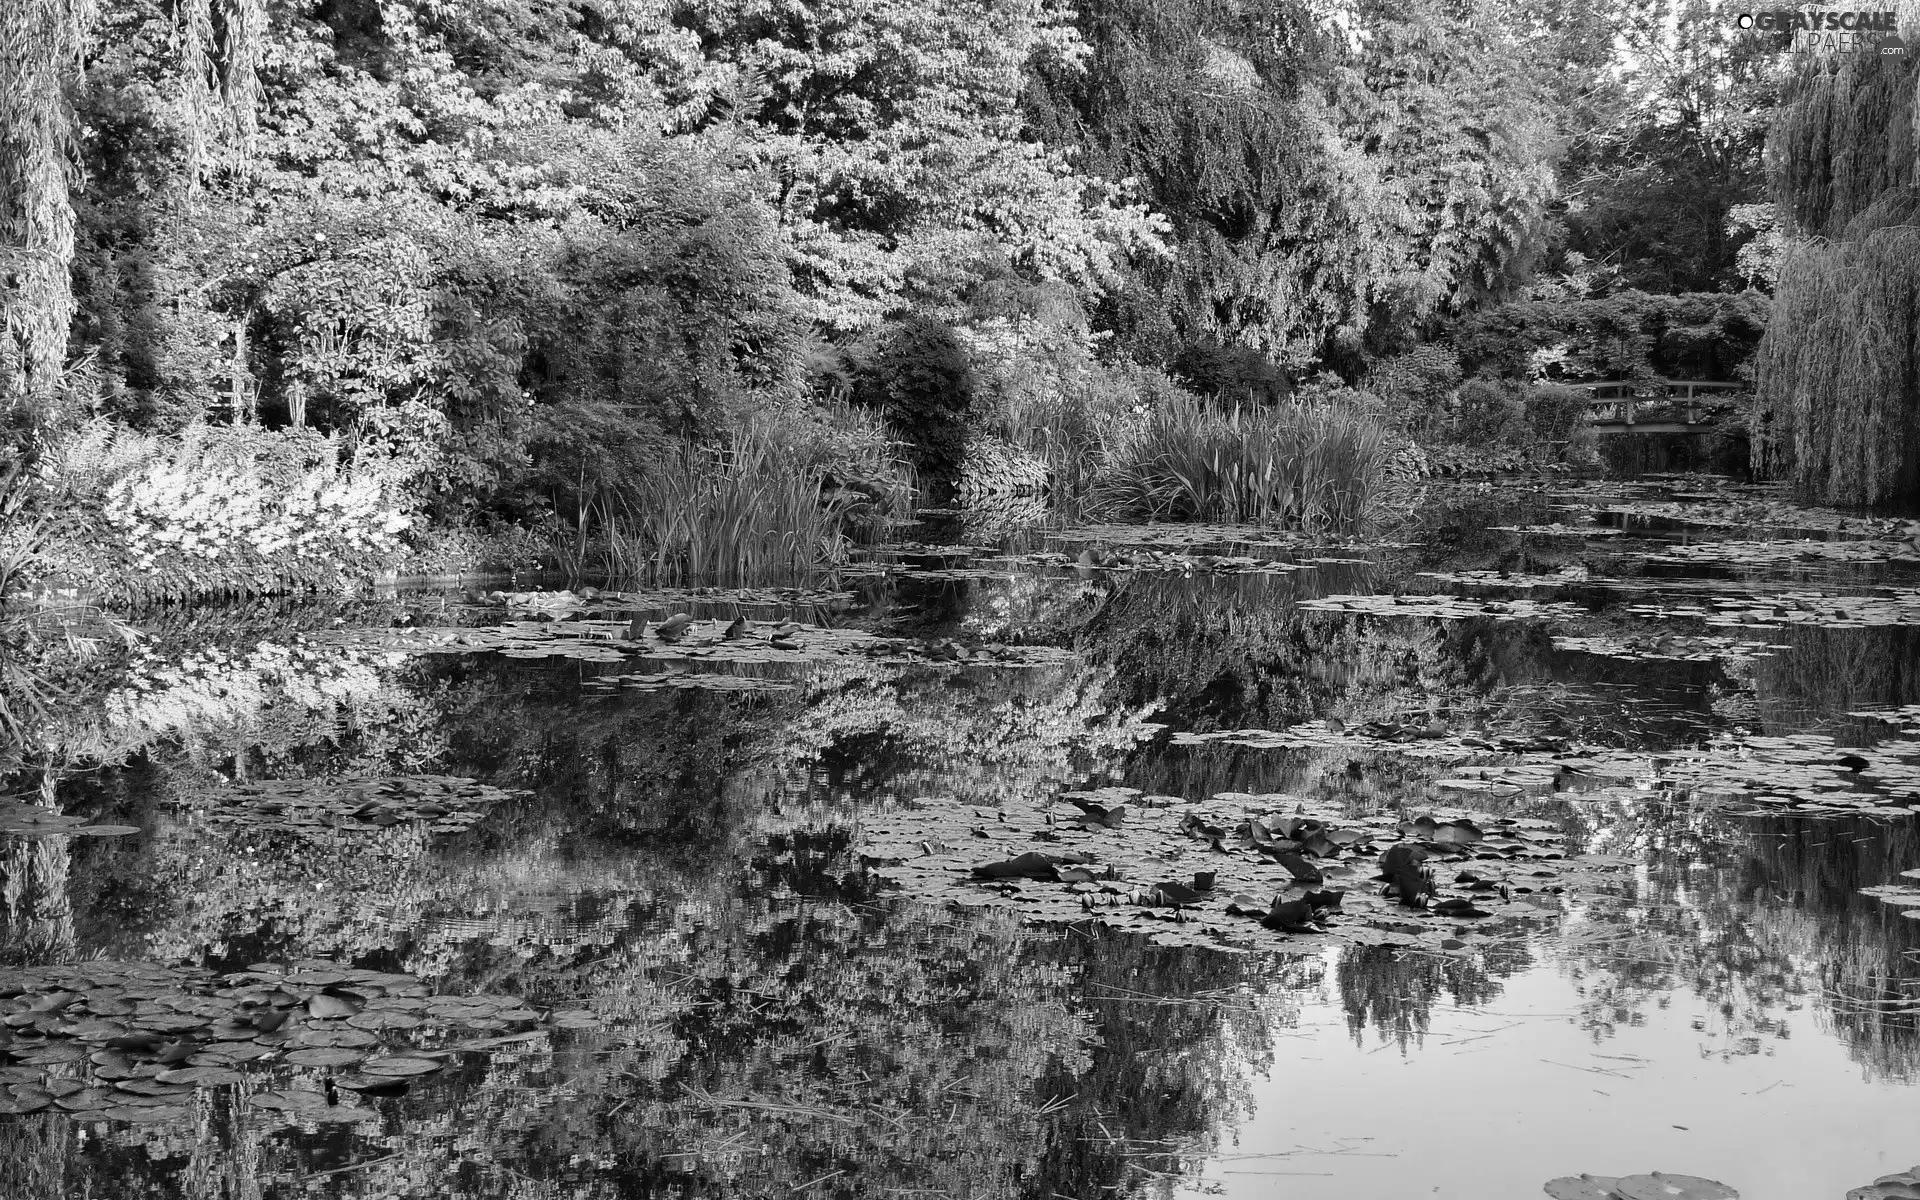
(1840, 368)
(246, 24)
(41, 43)
(193, 47)
(217, 49)
(1838, 391)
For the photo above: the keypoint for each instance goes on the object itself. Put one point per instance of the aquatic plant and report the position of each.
(1320, 468)
(742, 514)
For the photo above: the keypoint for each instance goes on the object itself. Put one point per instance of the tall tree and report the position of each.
(1670, 141)
(1839, 368)
(1332, 187)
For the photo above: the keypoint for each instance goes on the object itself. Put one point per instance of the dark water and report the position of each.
(767, 1018)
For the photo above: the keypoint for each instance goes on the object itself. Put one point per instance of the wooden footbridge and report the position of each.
(1662, 405)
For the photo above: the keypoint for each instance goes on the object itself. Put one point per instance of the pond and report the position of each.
(437, 894)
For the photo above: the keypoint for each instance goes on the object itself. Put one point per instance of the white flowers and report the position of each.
(225, 513)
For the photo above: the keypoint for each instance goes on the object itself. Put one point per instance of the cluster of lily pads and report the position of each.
(1102, 558)
(133, 1041)
(20, 819)
(1447, 608)
(1229, 872)
(1734, 511)
(679, 639)
(1565, 577)
(1556, 529)
(1771, 553)
(1668, 648)
(448, 804)
(589, 599)
(1805, 774)
(886, 570)
(1893, 606)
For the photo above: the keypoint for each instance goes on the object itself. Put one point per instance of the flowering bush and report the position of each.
(223, 509)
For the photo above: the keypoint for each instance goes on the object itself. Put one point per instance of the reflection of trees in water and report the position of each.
(1233, 652)
(680, 868)
(1827, 672)
(1867, 953)
(38, 924)
(775, 1044)
(1759, 919)
(1394, 990)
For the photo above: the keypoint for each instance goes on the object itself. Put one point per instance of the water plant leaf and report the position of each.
(1300, 868)
(399, 1066)
(1661, 1186)
(201, 1076)
(1581, 1187)
(1031, 865)
(324, 1007)
(324, 1056)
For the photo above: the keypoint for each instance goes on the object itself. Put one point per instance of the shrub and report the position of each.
(923, 382)
(1316, 467)
(1556, 413)
(1416, 387)
(1489, 411)
(1231, 374)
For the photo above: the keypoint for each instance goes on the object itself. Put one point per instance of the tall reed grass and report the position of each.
(741, 514)
(1320, 468)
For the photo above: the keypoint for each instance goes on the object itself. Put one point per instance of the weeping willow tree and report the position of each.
(40, 47)
(217, 43)
(43, 46)
(1838, 392)
(1839, 369)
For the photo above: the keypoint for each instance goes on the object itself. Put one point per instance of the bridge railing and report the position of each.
(1615, 401)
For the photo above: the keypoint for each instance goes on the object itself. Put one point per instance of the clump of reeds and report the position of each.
(1318, 467)
(741, 513)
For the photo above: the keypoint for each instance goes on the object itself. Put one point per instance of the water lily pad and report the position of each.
(288, 1099)
(155, 1114)
(201, 1076)
(1582, 1187)
(399, 1066)
(1661, 1186)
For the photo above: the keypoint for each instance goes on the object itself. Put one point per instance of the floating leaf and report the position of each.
(324, 1057)
(201, 1076)
(1300, 868)
(399, 1066)
(1581, 1187)
(1661, 1186)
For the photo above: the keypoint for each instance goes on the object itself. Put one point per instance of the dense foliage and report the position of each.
(1839, 380)
(531, 256)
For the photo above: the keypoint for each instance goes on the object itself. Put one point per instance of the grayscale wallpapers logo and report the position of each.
(1812, 31)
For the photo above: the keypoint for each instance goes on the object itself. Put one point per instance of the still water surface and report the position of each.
(684, 980)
